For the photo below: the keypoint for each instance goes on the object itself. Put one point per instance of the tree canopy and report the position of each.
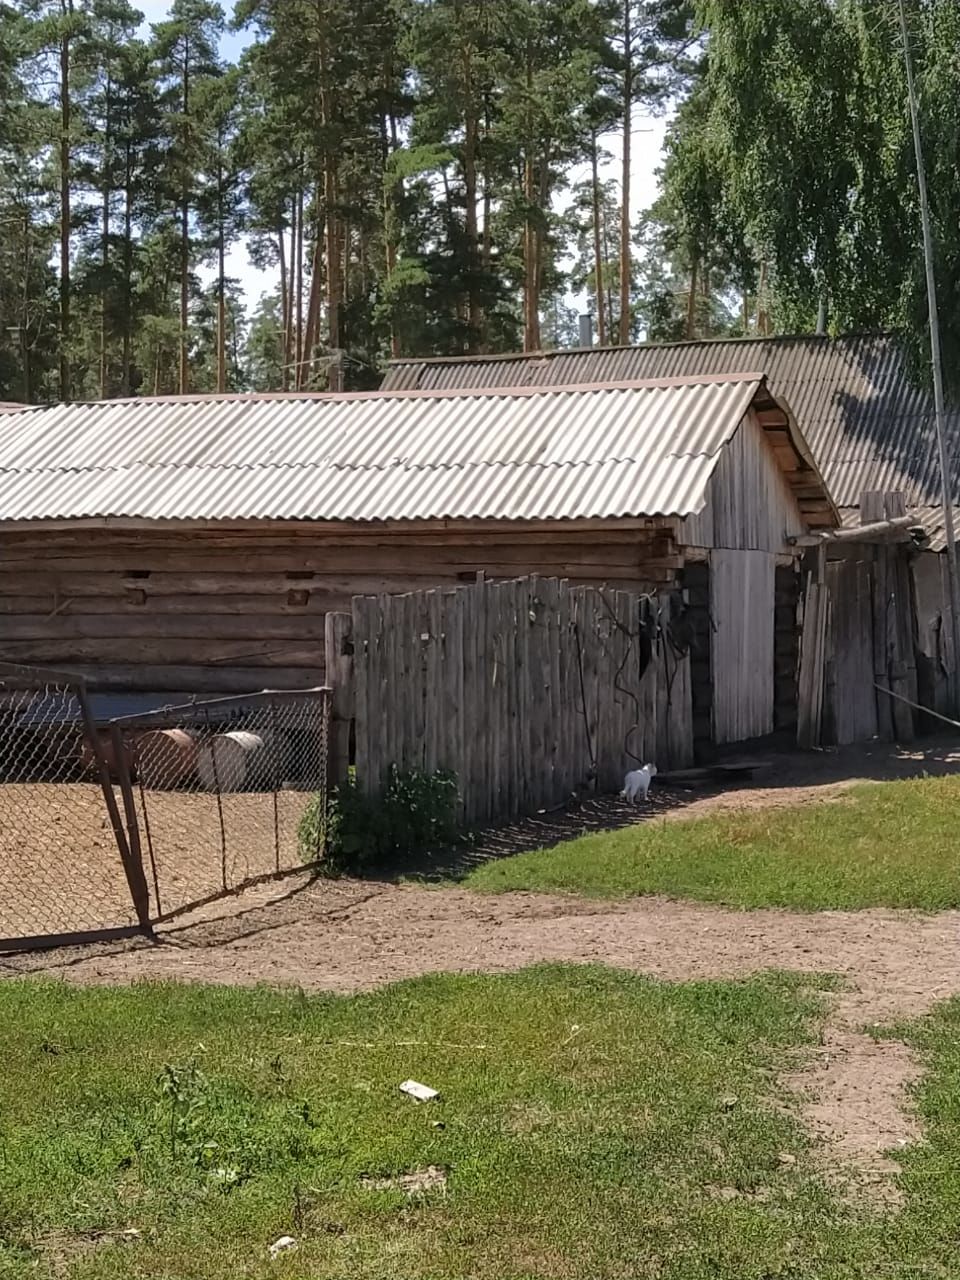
(442, 177)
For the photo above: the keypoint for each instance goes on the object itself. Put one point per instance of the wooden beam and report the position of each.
(878, 530)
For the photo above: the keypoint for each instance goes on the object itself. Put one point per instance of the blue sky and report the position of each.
(647, 143)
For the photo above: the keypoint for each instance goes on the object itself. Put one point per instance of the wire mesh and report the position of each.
(61, 872)
(225, 792)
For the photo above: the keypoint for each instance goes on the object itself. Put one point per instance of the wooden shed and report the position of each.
(196, 544)
(870, 428)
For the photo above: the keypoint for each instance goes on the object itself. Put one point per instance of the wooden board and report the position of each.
(742, 644)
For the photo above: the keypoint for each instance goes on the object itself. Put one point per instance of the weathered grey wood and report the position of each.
(881, 646)
(338, 649)
(453, 662)
(853, 698)
(517, 686)
(188, 679)
(361, 668)
(498, 642)
(138, 625)
(552, 744)
(741, 612)
(810, 692)
(433, 630)
(375, 710)
(155, 653)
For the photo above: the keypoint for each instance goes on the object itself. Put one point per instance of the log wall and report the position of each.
(220, 608)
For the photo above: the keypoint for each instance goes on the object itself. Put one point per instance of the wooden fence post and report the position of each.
(338, 647)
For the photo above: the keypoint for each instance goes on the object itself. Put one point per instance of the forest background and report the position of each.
(287, 194)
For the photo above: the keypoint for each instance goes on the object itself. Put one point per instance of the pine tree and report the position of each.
(186, 50)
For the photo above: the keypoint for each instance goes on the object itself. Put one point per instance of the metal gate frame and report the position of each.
(173, 717)
(132, 867)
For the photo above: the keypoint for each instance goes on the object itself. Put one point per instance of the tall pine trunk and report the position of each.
(597, 247)
(691, 323)
(105, 237)
(285, 307)
(298, 283)
(313, 305)
(763, 318)
(471, 131)
(531, 313)
(66, 12)
(126, 376)
(184, 381)
(221, 282)
(625, 263)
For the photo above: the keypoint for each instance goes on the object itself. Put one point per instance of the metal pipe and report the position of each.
(935, 356)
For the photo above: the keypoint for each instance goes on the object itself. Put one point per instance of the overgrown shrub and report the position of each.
(415, 811)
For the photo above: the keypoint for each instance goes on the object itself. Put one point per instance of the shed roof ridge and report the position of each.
(334, 463)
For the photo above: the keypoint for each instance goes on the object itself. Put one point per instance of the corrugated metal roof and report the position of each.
(868, 426)
(626, 450)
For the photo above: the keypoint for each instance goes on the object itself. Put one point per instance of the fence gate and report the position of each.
(66, 873)
(221, 794)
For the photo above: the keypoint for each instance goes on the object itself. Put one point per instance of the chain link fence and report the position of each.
(223, 793)
(64, 868)
(108, 828)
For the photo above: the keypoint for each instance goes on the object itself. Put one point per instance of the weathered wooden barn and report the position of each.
(870, 430)
(196, 544)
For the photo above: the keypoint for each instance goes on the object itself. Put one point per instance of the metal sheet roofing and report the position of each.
(867, 424)
(630, 449)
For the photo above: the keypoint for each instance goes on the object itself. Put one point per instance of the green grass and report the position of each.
(609, 1126)
(882, 845)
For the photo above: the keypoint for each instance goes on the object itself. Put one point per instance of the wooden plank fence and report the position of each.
(529, 690)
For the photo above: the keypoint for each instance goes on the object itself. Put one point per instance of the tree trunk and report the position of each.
(530, 317)
(691, 325)
(334, 284)
(391, 209)
(221, 283)
(285, 308)
(471, 129)
(313, 305)
(66, 11)
(298, 283)
(597, 248)
(487, 252)
(126, 380)
(184, 382)
(625, 263)
(105, 238)
(763, 323)
(606, 298)
(25, 310)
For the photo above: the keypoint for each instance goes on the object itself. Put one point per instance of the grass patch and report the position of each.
(609, 1126)
(881, 845)
(927, 1230)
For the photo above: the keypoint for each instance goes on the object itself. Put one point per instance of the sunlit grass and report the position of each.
(895, 844)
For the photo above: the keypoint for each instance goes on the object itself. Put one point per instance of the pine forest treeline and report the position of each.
(443, 177)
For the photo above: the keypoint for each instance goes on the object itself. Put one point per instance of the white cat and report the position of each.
(636, 784)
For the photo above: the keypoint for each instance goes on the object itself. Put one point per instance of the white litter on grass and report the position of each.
(283, 1245)
(422, 1092)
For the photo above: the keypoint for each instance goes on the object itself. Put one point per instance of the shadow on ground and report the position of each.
(786, 777)
(280, 920)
